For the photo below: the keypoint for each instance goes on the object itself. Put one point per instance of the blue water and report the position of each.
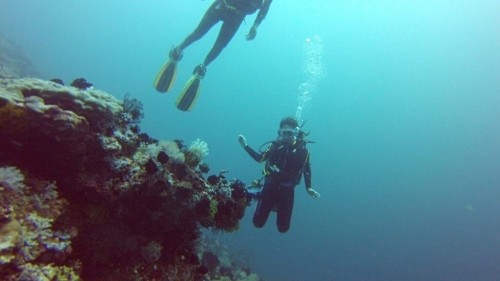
(405, 111)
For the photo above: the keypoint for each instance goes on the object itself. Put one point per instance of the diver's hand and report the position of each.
(252, 33)
(242, 140)
(313, 193)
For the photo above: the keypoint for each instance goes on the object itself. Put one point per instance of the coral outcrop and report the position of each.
(85, 195)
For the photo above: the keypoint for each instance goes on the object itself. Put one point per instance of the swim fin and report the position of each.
(166, 77)
(189, 94)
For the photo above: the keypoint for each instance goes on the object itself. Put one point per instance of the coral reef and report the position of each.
(84, 194)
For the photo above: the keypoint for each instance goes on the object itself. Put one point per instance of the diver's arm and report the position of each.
(307, 179)
(254, 154)
(259, 157)
(262, 12)
(307, 173)
(260, 17)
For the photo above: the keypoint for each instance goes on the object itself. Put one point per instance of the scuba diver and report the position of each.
(287, 159)
(231, 13)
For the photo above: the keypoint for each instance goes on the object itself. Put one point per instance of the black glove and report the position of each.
(252, 33)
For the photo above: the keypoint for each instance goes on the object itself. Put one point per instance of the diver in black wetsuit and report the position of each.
(286, 160)
(231, 13)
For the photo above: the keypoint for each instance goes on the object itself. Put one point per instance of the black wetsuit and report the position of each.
(231, 13)
(284, 167)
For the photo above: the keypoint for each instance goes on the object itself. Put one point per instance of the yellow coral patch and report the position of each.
(10, 239)
(12, 117)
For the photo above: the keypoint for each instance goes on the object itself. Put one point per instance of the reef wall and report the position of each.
(84, 195)
(13, 63)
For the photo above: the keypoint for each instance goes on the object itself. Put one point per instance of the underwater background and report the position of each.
(401, 97)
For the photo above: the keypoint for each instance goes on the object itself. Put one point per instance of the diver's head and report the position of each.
(290, 121)
(289, 130)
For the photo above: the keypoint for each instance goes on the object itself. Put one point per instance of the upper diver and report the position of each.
(231, 13)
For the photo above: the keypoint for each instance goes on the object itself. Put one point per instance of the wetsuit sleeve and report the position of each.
(307, 172)
(262, 12)
(259, 157)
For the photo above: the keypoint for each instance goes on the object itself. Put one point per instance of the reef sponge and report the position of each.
(196, 152)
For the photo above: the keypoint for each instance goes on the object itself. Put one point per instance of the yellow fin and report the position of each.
(166, 76)
(188, 96)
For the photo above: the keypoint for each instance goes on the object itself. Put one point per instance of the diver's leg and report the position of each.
(285, 208)
(211, 17)
(226, 33)
(266, 203)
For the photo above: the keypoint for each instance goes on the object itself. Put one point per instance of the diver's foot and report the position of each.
(200, 69)
(176, 54)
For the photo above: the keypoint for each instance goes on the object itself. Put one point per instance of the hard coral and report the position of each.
(97, 107)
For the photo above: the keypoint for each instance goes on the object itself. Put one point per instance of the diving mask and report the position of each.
(288, 133)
